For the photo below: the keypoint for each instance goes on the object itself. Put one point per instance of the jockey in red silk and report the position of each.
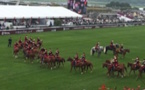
(26, 38)
(16, 45)
(45, 54)
(42, 49)
(50, 52)
(115, 63)
(112, 44)
(57, 53)
(83, 57)
(143, 62)
(137, 62)
(97, 46)
(76, 57)
(29, 49)
(38, 40)
(20, 41)
(121, 48)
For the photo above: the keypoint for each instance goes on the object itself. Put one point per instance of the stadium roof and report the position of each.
(11, 12)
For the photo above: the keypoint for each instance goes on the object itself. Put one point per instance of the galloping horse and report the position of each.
(30, 55)
(141, 70)
(133, 67)
(110, 48)
(46, 60)
(88, 64)
(15, 52)
(123, 52)
(119, 64)
(119, 69)
(98, 51)
(39, 43)
(60, 60)
(53, 61)
(76, 64)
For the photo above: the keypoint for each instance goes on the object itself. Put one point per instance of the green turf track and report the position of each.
(17, 75)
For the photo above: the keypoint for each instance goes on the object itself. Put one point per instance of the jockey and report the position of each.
(42, 49)
(143, 62)
(112, 44)
(136, 61)
(83, 57)
(57, 53)
(26, 38)
(121, 48)
(29, 49)
(97, 46)
(38, 39)
(15, 45)
(143, 65)
(50, 53)
(45, 54)
(76, 57)
(115, 62)
(20, 41)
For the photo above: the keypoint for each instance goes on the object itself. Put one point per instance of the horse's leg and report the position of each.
(63, 63)
(106, 50)
(122, 73)
(91, 68)
(82, 70)
(93, 53)
(71, 68)
(134, 72)
(130, 71)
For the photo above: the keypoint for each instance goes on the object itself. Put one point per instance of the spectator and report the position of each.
(9, 42)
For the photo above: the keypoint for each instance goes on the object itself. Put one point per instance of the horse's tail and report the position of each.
(104, 49)
(92, 65)
(63, 60)
(125, 68)
(91, 51)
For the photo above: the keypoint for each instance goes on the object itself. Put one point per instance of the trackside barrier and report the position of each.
(63, 28)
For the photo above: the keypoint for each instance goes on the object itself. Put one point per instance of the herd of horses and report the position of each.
(121, 68)
(32, 50)
(105, 50)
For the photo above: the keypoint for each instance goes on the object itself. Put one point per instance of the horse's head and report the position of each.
(127, 50)
(108, 61)
(104, 65)
(129, 64)
(63, 59)
(69, 59)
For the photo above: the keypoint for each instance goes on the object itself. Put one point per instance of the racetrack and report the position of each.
(15, 74)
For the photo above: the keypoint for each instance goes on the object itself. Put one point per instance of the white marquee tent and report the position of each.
(18, 12)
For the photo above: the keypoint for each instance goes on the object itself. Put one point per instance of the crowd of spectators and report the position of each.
(100, 18)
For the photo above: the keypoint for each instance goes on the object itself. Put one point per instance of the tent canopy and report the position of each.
(18, 12)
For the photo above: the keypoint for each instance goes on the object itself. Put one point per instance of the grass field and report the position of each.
(15, 74)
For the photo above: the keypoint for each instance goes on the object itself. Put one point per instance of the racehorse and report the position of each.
(75, 64)
(88, 64)
(45, 60)
(39, 43)
(119, 69)
(141, 70)
(53, 61)
(123, 52)
(15, 52)
(98, 51)
(133, 67)
(110, 48)
(119, 64)
(60, 60)
(30, 55)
